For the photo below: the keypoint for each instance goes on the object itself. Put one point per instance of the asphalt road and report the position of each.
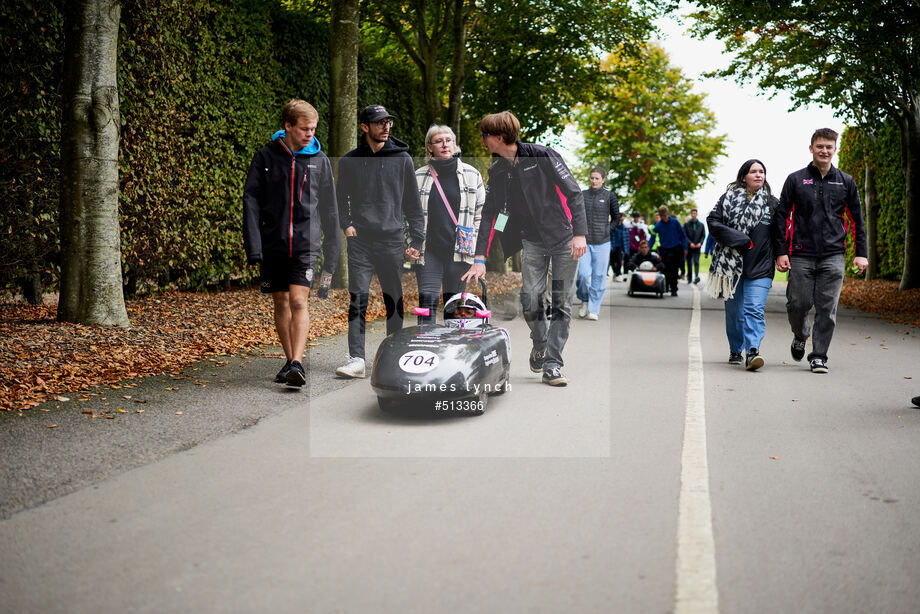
(661, 479)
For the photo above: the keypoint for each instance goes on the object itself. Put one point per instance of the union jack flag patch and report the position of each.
(808, 181)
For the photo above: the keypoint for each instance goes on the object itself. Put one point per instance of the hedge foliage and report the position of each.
(202, 83)
(30, 109)
(885, 158)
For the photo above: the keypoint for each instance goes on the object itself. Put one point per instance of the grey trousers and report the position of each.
(814, 282)
(535, 262)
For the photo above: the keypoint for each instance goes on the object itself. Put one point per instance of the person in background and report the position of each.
(535, 205)
(652, 235)
(696, 234)
(673, 245)
(378, 196)
(602, 211)
(638, 231)
(282, 227)
(741, 272)
(816, 207)
(710, 245)
(644, 255)
(619, 246)
(452, 196)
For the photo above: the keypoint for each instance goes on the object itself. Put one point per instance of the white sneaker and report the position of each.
(353, 368)
(592, 316)
(583, 310)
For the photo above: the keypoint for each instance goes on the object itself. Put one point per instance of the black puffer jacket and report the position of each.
(602, 211)
(551, 194)
(378, 194)
(815, 213)
(756, 249)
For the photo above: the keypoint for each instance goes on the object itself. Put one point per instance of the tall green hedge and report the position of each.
(202, 83)
(30, 119)
(885, 158)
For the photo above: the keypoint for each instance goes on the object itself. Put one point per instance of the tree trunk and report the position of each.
(496, 260)
(433, 108)
(871, 202)
(91, 285)
(343, 77)
(910, 162)
(457, 72)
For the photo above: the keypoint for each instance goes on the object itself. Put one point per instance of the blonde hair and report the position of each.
(434, 131)
(296, 109)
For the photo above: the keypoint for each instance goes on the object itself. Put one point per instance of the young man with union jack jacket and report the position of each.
(817, 207)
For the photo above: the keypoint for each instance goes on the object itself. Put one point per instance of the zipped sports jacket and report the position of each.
(289, 203)
(552, 199)
(815, 214)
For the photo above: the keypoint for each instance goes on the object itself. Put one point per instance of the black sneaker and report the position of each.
(735, 358)
(536, 359)
(797, 349)
(295, 375)
(554, 377)
(673, 292)
(916, 401)
(818, 365)
(696, 280)
(282, 374)
(754, 360)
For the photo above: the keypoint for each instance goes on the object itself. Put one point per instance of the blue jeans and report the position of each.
(745, 323)
(814, 282)
(592, 276)
(535, 263)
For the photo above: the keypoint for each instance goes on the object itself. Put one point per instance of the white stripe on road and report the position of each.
(696, 553)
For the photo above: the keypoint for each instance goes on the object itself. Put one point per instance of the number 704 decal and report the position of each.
(418, 361)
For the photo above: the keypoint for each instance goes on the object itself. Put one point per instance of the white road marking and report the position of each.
(696, 554)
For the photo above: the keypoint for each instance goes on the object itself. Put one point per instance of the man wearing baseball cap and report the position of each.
(377, 196)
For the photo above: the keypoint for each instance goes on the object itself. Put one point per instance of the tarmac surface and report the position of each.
(583, 498)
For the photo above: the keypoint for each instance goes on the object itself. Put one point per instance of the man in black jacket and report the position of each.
(696, 235)
(602, 211)
(533, 203)
(289, 193)
(816, 208)
(377, 195)
(644, 255)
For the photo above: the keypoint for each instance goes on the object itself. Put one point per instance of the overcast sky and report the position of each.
(757, 126)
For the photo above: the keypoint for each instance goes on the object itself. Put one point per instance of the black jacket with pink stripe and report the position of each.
(552, 199)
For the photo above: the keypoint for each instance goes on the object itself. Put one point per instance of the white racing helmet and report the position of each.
(467, 301)
(646, 266)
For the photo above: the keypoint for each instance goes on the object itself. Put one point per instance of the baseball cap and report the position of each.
(373, 113)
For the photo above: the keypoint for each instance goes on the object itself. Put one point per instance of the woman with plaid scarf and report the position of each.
(742, 266)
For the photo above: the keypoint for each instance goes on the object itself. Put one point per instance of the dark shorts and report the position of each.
(279, 273)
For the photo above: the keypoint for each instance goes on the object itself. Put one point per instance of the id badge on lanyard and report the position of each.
(500, 220)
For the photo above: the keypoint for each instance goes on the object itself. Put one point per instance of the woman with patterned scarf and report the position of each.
(741, 271)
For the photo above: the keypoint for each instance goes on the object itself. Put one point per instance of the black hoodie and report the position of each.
(378, 191)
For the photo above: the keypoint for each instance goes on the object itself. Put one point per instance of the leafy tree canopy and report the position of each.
(651, 130)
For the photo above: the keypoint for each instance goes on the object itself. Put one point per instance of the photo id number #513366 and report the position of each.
(458, 405)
